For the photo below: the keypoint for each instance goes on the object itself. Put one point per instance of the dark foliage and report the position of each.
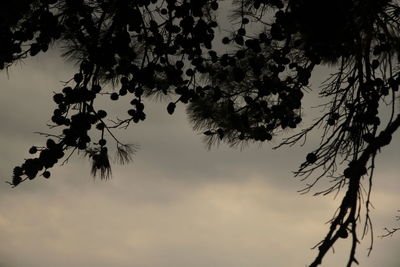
(149, 48)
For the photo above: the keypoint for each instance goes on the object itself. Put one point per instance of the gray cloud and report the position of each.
(176, 205)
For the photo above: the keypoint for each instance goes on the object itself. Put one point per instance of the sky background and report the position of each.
(178, 204)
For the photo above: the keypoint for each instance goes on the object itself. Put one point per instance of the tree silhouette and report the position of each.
(250, 94)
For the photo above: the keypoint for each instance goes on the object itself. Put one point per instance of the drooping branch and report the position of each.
(348, 213)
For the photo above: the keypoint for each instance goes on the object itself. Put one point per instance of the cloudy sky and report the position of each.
(176, 205)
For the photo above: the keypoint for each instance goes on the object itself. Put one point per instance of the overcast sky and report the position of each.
(176, 205)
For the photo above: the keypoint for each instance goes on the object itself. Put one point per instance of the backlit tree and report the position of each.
(145, 48)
